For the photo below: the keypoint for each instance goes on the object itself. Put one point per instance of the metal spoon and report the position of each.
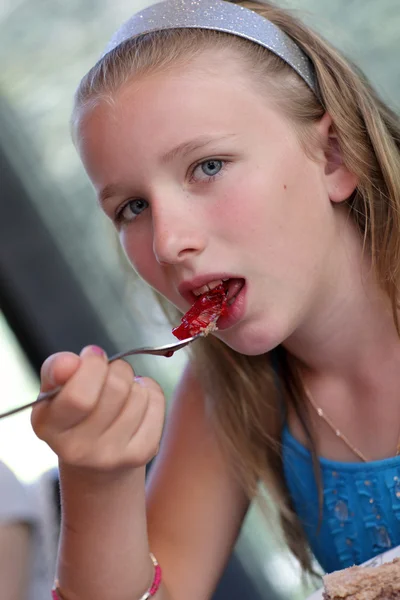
(168, 350)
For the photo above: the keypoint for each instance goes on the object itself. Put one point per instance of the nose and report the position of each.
(178, 233)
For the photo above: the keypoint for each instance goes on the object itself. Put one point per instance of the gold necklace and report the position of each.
(337, 431)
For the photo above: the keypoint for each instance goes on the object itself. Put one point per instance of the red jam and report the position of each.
(206, 310)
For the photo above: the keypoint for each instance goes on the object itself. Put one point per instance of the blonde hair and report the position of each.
(248, 396)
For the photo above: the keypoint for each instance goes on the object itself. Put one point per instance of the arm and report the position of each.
(194, 506)
(194, 513)
(14, 560)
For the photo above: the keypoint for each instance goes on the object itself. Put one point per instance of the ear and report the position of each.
(340, 182)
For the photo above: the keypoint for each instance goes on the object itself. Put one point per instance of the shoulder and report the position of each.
(188, 405)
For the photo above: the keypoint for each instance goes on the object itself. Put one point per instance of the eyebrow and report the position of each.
(113, 189)
(109, 191)
(193, 145)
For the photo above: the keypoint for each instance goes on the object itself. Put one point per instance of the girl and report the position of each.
(228, 142)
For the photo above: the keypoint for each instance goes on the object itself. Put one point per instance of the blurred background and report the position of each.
(63, 283)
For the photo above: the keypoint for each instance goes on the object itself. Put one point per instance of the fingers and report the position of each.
(103, 418)
(145, 440)
(113, 397)
(81, 392)
(136, 410)
(133, 438)
(81, 378)
(57, 369)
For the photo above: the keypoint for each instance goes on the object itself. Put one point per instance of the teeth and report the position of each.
(208, 287)
(214, 284)
(201, 290)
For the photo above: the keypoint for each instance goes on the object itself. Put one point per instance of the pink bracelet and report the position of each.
(57, 595)
(156, 580)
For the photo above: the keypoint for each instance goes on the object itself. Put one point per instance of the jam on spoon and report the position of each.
(204, 314)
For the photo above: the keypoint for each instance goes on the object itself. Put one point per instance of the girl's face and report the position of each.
(205, 180)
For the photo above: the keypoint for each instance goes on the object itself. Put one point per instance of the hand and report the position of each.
(103, 418)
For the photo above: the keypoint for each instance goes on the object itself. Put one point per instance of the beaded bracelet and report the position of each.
(156, 580)
(57, 594)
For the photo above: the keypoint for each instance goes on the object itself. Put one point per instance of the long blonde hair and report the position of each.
(248, 396)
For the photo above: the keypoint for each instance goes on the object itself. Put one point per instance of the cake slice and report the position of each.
(364, 583)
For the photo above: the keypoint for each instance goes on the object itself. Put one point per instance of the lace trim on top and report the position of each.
(361, 505)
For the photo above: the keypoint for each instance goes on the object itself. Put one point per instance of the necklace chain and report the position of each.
(337, 431)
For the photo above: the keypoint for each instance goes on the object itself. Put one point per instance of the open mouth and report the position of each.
(212, 302)
(233, 287)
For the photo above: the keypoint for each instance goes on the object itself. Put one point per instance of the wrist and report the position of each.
(58, 594)
(88, 478)
(99, 497)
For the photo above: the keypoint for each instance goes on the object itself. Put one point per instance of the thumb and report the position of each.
(58, 369)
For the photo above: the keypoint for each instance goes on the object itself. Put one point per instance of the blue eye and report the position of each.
(207, 169)
(211, 167)
(132, 209)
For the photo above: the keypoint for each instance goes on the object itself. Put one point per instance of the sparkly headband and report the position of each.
(217, 15)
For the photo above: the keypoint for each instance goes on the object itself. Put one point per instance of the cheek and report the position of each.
(276, 211)
(235, 213)
(139, 253)
(252, 206)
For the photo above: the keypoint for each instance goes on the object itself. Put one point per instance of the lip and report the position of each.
(235, 312)
(185, 288)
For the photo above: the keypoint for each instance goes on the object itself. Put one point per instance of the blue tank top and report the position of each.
(361, 505)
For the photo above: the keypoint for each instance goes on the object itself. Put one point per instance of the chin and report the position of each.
(250, 340)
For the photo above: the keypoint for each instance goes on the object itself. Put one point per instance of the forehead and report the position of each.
(203, 89)
(154, 113)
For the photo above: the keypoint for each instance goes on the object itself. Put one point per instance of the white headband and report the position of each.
(217, 15)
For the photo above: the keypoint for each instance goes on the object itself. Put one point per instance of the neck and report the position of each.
(350, 328)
